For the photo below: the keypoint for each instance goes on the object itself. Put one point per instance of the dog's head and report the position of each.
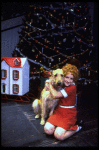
(57, 78)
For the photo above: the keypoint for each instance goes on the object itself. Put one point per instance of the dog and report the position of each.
(46, 105)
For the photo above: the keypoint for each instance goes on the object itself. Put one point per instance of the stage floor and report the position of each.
(19, 128)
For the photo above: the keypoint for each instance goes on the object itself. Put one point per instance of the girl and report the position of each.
(62, 122)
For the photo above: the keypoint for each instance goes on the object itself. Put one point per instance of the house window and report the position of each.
(15, 75)
(3, 74)
(15, 88)
(4, 88)
(16, 62)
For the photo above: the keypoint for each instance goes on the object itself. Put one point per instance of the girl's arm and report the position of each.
(63, 93)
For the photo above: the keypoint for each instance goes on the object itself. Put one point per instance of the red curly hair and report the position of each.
(72, 69)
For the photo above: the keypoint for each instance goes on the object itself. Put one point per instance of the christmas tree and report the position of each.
(56, 33)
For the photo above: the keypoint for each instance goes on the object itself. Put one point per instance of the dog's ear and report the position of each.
(50, 73)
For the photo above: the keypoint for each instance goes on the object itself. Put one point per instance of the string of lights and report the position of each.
(54, 35)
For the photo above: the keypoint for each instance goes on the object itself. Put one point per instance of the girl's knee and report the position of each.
(59, 133)
(49, 128)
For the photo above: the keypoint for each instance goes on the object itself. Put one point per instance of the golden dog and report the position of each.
(47, 104)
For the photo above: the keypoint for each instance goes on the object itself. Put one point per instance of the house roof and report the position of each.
(11, 61)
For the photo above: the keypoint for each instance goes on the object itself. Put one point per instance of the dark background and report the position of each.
(11, 23)
(19, 128)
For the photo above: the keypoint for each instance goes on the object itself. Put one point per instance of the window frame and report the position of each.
(5, 74)
(14, 92)
(14, 74)
(4, 88)
(16, 62)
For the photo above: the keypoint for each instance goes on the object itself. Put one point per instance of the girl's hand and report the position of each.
(48, 84)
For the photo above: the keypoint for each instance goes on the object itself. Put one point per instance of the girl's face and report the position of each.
(68, 79)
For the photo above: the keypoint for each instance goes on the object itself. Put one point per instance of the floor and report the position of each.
(19, 128)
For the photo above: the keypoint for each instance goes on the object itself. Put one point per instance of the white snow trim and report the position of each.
(23, 61)
(64, 93)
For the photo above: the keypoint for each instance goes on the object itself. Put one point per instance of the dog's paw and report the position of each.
(37, 116)
(42, 122)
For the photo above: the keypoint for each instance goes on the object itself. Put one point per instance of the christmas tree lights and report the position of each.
(55, 33)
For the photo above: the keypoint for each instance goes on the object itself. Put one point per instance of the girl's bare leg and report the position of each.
(59, 133)
(62, 134)
(49, 128)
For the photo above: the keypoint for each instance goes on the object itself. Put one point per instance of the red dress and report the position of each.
(65, 117)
